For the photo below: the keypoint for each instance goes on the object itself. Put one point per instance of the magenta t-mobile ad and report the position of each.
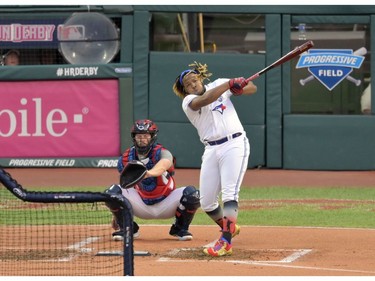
(72, 118)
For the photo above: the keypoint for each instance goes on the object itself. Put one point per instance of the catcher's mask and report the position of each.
(144, 126)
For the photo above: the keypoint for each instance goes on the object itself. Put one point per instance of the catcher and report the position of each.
(155, 196)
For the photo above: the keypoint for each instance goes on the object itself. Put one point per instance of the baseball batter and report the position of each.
(227, 149)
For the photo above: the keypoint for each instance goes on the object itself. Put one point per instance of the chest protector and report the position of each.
(152, 190)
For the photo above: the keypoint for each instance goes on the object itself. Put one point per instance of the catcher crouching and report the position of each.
(146, 180)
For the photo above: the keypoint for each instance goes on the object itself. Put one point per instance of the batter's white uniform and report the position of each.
(223, 165)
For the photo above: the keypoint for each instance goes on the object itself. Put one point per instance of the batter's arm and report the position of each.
(208, 97)
(250, 89)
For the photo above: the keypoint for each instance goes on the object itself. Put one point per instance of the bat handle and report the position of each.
(251, 78)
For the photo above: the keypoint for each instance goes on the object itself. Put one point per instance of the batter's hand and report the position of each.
(236, 85)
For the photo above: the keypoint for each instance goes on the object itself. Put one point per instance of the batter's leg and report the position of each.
(233, 167)
(209, 181)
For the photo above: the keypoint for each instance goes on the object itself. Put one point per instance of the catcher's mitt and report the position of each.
(133, 172)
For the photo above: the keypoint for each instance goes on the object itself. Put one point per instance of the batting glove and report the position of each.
(236, 85)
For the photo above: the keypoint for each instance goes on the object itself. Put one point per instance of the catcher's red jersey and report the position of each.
(152, 190)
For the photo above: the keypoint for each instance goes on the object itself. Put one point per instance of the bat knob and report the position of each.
(302, 82)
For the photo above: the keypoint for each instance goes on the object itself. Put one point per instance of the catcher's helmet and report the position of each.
(144, 126)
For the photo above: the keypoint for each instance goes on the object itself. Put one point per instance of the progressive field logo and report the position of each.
(331, 66)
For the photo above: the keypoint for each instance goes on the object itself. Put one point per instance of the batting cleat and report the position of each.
(181, 234)
(237, 230)
(221, 248)
(119, 235)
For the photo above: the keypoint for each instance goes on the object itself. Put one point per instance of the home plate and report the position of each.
(120, 253)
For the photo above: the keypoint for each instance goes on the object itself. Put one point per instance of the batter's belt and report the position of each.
(221, 141)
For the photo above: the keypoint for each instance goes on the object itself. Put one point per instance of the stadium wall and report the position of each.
(279, 139)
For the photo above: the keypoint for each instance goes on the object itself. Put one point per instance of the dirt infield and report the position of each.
(258, 251)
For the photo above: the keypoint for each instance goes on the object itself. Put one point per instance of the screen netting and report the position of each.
(58, 238)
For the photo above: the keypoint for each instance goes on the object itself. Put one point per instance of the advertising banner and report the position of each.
(59, 119)
(29, 33)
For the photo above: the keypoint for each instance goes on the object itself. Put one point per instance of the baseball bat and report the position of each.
(292, 54)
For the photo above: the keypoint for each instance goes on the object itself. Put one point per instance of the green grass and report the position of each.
(320, 207)
(276, 193)
(295, 208)
(286, 206)
(58, 216)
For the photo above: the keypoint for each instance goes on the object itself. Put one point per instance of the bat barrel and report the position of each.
(292, 54)
(308, 45)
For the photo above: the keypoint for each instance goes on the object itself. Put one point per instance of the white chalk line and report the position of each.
(272, 264)
(289, 259)
(297, 253)
(285, 263)
(302, 267)
(79, 247)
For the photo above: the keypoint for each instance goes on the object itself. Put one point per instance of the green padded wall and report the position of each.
(274, 89)
(318, 142)
(126, 112)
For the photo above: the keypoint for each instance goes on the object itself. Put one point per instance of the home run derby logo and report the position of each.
(331, 66)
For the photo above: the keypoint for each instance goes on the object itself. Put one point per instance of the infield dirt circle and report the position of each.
(257, 251)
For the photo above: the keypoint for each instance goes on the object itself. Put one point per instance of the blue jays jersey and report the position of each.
(216, 120)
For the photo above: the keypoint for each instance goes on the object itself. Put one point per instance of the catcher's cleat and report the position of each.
(221, 248)
(136, 233)
(181, 234)
(119, 235)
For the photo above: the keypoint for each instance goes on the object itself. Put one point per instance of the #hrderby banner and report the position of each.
(70, 118)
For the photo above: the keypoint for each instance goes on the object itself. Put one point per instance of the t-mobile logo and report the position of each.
(55, 122)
